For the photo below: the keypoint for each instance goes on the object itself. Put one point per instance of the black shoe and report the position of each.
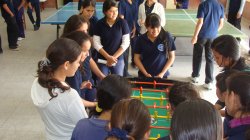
(15, 48)
(36, 28)
(1, 51)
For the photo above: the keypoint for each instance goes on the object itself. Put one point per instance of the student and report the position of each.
(237, 104)
(130, 120)
(19, 11)
(196, 119)
(77, 82)
(128, 10)
(147, 7)
(111, 90)
(154, 50)
(7, 10)
(60, 106)
(226, 51)
(221, 90)
(210, 20)
(234, 10)
(181, 92)
(78, 23)
(34, 5)
(181, 4)
(87, 12)
(75, 23)
(111, 39)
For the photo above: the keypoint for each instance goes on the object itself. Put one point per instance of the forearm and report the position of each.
(169, 62)
(118, 53)
(96, 70)
(139, 64)
(88, 103)
(7, 9)
(198, 27)
(104, 53)
(221, 24)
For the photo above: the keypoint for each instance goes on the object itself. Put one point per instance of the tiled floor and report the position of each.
(19, 120)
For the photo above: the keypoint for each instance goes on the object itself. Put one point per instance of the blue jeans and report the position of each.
(197, 59)
(117, 69)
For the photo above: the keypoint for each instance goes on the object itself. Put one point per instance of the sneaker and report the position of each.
(14, 49)
(20, 38)
(194, 79)
(208, 86)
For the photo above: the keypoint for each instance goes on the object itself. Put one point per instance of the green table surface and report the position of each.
(165, 112)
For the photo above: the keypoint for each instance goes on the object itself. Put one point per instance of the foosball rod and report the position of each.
(153, 98)
(160, 127)
(152, 90)
(151, 83)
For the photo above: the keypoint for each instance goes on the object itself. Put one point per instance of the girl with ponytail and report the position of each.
(59, 105)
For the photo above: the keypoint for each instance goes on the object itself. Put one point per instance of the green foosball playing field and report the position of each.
(155, 96)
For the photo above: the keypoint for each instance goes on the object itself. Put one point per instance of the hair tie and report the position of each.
(97, 108)
(119, 133)
(44, 62)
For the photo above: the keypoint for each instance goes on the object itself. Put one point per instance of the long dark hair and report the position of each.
(196, 120)
(87, 3)
(112, 89)
(182, 91)
(228, 47)
(73, 24)
(60, 51)
(239, 83)
(130, 116)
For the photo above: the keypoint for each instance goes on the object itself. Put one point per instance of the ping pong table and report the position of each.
(179, 22)
(63, 14)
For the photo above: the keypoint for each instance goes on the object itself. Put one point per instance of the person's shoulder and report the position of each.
(93, 19)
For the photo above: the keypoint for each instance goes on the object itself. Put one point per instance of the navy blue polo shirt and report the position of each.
(111, 37)
(153, 54)
(234, 6)
(129, 11)
(9, 4)
(184, 3)
(92, 22)
(211, 11)
(86, 68)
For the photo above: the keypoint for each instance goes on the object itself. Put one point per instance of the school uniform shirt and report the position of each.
(10, 5)
(183, 3)
(238, 128)
(75, 81)
(130, 12)
(211, 11)
(59, 114)
(90, 129)
(92, 22)
(111, 38)
(235, 6)
(154, 55)
(158, 9)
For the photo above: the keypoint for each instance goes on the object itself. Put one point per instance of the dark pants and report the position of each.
(232, 19)
(19, 20)
(12, 31)
(197, 59)
(36, 7)
(66, 1)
